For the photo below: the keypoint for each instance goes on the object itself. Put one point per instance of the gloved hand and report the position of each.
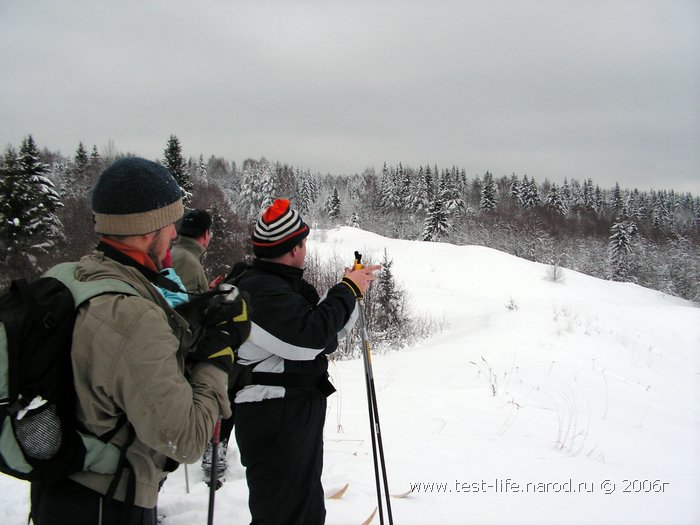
(226, 327)
(214, 348)
(230, 313)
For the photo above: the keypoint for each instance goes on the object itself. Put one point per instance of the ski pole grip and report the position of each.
(357, 265)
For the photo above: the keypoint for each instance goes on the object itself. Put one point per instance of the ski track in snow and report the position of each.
(586, 386)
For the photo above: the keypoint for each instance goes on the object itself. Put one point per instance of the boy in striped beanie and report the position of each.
(278, 230)
(279, 418)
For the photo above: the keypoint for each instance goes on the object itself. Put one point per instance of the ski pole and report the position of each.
(375, 428)
(214, 466)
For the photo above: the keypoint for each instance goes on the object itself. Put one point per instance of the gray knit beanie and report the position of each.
(135, 196)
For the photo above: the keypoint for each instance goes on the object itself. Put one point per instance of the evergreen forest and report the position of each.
(642, 236)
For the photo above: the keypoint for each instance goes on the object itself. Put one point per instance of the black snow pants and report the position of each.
(281, 445)
(69, 503)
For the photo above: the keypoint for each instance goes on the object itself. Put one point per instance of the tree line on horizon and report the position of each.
(651, 238)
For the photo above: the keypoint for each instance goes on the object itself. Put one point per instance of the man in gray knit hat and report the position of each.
(129, 354)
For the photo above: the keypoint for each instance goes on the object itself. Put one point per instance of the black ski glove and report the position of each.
(214, 348)
(226, 327)
(231, 314)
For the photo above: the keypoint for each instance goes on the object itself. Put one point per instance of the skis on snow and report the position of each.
(337, 493)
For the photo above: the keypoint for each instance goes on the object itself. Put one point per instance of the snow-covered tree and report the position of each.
(554, 200)
(304, 192)
(421, 193)
(388, 318)
(333, 204)
(488, 194)
(436, 224)
(354, 221)
(451, 197)
(530, 194)
(620, 245)
(174, 161)
(77, 174)
(616, 201)
(514, 189)
(251, 192)
(28, 201)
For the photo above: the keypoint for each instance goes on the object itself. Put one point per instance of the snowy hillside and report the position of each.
(541, 402)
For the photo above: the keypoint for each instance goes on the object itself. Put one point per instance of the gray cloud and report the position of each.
(599, 89)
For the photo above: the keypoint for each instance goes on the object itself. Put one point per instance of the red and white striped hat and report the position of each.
(278, 230)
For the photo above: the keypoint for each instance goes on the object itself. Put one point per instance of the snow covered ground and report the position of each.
(573, 402)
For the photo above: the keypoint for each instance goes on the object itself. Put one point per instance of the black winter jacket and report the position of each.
(292, 327)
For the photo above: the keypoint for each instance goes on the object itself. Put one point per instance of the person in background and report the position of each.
(194, 236)
(280, 416)
(129, 354)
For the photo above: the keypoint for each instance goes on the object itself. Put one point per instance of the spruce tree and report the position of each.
(514, 189)
(451, 197)
(554, 200)
(620, 245)
(420, 193)
(388, 316)
(174, 161)
(333, 204)
(489, 190)
(436, 224)
(354, 221)
(77, 175)
(28, 201)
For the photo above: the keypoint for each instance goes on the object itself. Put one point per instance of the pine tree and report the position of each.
(599, 203)
(588, 197)
(388, 316)
(251, 191)
(386, 189)
(487, 203)
(76, 176)
(620, 245)
(354, 221)
(174, 161)
(554, 200)
(616, 201)
(333, 204)
(201, 170)
(436, 224)
(530, 194)
(420, 193)
(304, 193)
(454, 204)
(28, 201)
(404, 198)
(269, 184)
(514, 189)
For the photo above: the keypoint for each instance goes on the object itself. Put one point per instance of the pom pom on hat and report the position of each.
(278, 230)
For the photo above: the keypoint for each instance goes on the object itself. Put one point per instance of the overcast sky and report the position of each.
(608, 90)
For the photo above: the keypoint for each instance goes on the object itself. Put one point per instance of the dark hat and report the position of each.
(278, 230)
(135, 196)
(195, 223)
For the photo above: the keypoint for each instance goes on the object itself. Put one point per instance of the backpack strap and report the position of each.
(85, 290)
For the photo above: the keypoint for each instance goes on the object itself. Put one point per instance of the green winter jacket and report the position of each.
(187, 253)
(128, 357)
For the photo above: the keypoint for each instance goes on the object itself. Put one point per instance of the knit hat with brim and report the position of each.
(278, 230)
(135, 196)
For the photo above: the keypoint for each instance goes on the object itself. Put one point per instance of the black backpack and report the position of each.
(40, 437)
